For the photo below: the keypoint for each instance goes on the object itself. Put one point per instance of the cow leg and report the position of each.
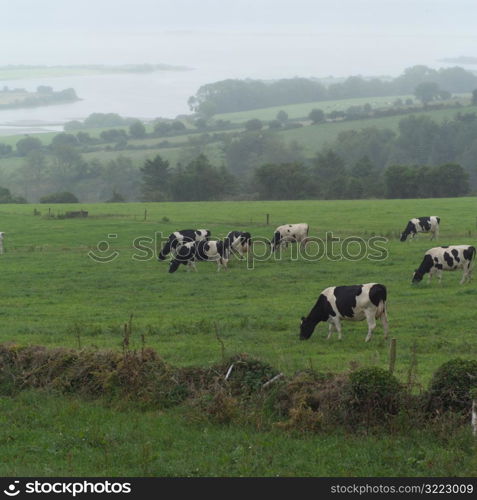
(331, 328)
(439, 276)
(384, 321)
(371, 319)
(467, 275)
(192, 265)
(337, 324)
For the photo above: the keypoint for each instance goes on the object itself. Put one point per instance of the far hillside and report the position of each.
(376, 147)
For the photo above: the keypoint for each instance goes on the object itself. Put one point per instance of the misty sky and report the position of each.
(241, 38)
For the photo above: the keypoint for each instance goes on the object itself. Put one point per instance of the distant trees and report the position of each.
(426, 92)
(27, 144)
(285, 181)
(282, 116)
(449, 180)
(137, 130)
(7, 197)
(253, 124)
(316, 116)
(474, 97)
(241, 95)
(61, 197)
(196, 181)
(156, 180)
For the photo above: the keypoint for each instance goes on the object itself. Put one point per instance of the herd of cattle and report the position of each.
(336, 303)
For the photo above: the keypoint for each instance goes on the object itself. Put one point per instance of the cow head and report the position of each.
(306, 328)
(417, 276)
(174, 265)
(404, 236)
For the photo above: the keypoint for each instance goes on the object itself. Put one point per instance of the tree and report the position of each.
(113, 135)
(156, 177)
(316, 116)
(116, 198)
(330, 176)
(453, 180)
(199, 180)
(253, 125)
(400, 182)
(370, 180)
(5, 149)
(282, 116)
(177, 126)
(274, 125)
(137, 130)
(162, 128)
(61, 197)
(7, 197)
(474, 97)
(426, 92)
(282, 182)
(27, 144)
(64, 140)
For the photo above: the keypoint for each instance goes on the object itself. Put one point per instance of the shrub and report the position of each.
(451, 385)
(64, 197)
(372, 394)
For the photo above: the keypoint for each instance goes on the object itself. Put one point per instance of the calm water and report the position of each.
(144, 96)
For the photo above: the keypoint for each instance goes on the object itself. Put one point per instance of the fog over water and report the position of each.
(220, 39)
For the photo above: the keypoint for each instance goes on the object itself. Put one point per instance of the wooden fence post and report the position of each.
(392, 356)
(268, 219)
(474, 417)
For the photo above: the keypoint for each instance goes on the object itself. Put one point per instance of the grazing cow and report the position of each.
(355, 302)
(448, 258)
(290, 233)
(178, 238)
(197, 251)
(422, 225)
(239, 242)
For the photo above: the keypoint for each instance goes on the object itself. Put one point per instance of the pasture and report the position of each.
(54, 294)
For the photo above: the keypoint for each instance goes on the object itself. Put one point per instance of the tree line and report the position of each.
(241, 95)
(324, 177)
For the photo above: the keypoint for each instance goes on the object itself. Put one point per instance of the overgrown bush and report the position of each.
(245, 390)
(451, 386)
(63, 197)
(372, 394)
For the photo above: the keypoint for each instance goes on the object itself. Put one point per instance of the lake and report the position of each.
(144, 96)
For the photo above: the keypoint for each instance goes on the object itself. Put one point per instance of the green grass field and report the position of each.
(54, 294)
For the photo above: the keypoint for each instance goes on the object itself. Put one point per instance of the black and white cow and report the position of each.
(422, 225)
(355, 302)
(239, 242)
(446, 258)
(178, 238)
(199, 251)
(290, 233)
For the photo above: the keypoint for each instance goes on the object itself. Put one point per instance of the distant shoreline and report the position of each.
(21, 72)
